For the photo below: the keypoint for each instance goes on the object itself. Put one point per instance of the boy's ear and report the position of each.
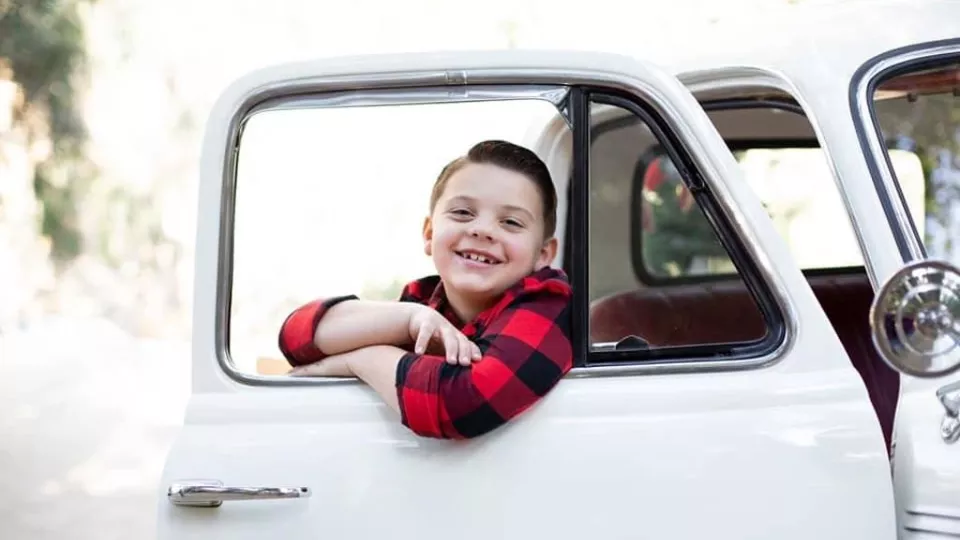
(428, 236)
(548, 252)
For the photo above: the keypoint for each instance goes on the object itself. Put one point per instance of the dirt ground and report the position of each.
(86, 417)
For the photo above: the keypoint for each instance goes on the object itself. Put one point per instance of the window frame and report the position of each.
(862, 87)
(263, 98)
(697, 359)
(748, 271)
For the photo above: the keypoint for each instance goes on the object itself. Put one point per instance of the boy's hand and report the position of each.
(427, 326)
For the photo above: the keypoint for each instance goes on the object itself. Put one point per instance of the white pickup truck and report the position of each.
(778, 223)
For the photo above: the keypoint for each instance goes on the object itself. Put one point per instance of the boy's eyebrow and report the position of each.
(508, 207)
(461, 198)
(520, 209)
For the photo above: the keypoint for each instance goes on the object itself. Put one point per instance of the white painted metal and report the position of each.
(926, 470)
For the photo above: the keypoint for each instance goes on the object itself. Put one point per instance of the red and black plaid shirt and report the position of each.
(525, 339)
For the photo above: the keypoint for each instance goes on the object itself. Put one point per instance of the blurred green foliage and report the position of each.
(42, 48)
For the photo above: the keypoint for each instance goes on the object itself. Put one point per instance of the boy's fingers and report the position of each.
(423, 338)
(450, 345)
(477, 354)
(466, 351)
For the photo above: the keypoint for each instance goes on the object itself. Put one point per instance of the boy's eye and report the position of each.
(460, 212)
(512, 222)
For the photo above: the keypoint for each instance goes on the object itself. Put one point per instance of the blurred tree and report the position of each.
(42, 51)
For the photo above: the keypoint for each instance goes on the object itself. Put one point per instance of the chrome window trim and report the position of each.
(868, 130)
(427, 95)
(430, 80)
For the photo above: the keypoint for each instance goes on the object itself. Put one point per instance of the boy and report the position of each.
(496, 309)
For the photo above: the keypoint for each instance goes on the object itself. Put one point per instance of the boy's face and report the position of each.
(486, 232)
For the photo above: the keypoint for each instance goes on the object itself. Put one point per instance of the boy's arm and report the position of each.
(375, 365)
(341, 324)
(526, 351)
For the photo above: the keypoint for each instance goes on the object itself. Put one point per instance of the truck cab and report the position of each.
(759, 241)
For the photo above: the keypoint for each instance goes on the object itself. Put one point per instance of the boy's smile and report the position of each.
(486, 233)
(479, 257)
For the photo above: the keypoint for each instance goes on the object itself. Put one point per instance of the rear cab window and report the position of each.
(675, 252)
(783, 163)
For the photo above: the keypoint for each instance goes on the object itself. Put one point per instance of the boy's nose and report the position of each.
(481, 230)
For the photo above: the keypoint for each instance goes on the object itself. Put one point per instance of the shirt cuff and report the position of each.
(298, 329)
(418, 382)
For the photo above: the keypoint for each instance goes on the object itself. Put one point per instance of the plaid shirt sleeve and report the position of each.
(297, 331)
(526, 350)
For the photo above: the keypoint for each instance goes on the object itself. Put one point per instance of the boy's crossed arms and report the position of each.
(520, 348)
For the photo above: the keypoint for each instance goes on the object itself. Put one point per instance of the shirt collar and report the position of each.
(545, 278)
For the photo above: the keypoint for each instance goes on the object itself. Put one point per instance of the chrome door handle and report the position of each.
(212, 493)
(949, 397)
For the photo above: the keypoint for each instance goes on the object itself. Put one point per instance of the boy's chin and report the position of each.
(474, 285)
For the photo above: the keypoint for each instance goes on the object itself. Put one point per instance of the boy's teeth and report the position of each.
(477, 258)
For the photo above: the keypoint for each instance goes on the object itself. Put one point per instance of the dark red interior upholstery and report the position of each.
(685, 315)
(725, 312)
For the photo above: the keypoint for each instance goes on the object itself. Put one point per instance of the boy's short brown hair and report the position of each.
(511, 157)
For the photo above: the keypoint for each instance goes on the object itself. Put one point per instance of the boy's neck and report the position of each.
(467, 308)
